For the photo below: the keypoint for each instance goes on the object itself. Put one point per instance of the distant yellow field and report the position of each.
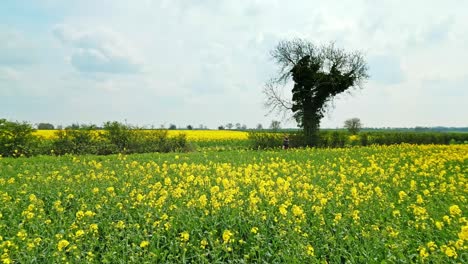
(192, 135)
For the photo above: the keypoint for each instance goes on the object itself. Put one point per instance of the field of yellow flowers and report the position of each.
(192, 135)
(400, 203)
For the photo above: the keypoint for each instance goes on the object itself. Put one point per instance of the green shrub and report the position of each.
(338, 139)
(364, 138)
(76, 141)
(157, 141)
(263, 140)
(297, 140)
(16, 139)
(119, 134)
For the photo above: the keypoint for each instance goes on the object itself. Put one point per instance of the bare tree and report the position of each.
(275, 125)
(353, 125)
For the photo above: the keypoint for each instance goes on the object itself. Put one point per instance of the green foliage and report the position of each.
(118, 134)
(80, 141)
(364, 137)
(263, 140)
(341, 138)
(268, 140)
(16, 139)
(115, 138)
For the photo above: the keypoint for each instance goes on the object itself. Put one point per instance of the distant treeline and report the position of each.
(48, 126)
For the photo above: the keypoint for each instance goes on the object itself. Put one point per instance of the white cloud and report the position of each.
(98, 51)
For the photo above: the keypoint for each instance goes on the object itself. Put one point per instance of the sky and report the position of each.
(205, 62)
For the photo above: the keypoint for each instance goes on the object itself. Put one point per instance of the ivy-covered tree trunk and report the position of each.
(311, 124)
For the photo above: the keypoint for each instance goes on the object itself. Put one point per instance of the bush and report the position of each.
(364, 137)
(116, 138)
(119, 134)
(297, 140)
(16, 139)
(337, 139)
(158, 141)
(262, 140)
(76, 141)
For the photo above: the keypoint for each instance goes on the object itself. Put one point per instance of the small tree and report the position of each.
(275, 125)
(259, 126)
(189, 127)
(45, 126)
(353, 125)
(15, 138)
(238, 126)
(229, 125)
(172, 127)
(220, 128)
(244, 127)
(118, 134)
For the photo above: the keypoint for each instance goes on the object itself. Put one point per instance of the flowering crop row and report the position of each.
(400, 203)
(192, 135)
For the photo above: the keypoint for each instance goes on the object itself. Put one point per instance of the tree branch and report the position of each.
(275, 101)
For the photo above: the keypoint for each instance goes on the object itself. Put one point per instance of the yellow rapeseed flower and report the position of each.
(79, 233)
(144, 243)
(310, 250)
(449, 251)
(203, 244)
(455, 210)
(431, 245)
(337, 218)
(227, 234)
(282, 209)
(184, 236)
(93, 227)
(423, 252)
(62, 244)
(254, 230)
(22, 234)
(463, 235)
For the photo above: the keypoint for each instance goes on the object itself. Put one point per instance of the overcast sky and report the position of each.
(206, 61)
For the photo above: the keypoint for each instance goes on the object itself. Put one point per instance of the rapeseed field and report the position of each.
(192, 135)
(401, 203)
